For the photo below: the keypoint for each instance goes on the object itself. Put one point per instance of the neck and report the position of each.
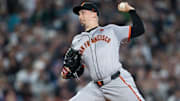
(90, 26)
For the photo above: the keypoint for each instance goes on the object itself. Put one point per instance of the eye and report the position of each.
(82, 12)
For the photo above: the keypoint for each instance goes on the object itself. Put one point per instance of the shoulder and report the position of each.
(114, 26)
(111, 25)
(76, 38)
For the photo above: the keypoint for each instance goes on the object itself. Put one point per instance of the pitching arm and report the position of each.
(138, 27)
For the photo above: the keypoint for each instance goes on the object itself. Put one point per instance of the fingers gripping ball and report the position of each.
(125, 7)
(122, 5)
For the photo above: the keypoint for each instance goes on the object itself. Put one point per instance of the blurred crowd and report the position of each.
(35, 34)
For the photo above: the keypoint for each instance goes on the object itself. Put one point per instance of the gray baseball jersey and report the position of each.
(100, 53)
(100, 49)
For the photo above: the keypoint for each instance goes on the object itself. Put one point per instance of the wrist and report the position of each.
(131, 11)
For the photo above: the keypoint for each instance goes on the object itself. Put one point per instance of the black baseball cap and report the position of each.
(86, 5)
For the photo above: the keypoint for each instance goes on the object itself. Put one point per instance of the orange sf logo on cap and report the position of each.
(82, 4)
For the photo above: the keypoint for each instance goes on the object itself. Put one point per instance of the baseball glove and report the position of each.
(72, 66)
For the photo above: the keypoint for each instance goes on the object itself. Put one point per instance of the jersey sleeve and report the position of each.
(75, 42)
(122, 32)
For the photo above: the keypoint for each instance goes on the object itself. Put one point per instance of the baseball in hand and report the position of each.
(122, 5)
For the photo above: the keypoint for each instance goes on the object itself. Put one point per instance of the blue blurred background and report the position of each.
(35, 34)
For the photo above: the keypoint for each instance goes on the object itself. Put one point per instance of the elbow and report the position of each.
(141, 31)
(137, 31)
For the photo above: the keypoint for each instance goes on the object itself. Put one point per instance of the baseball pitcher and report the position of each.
(98, 49)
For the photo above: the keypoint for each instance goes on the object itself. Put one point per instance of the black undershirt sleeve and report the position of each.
(138, 28)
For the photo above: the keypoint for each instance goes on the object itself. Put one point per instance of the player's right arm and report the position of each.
(137, 28)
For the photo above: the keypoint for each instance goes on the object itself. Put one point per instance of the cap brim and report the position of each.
(77, 9)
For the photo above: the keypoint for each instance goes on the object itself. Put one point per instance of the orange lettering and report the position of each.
(103, 37)
(85, 44)
(82, 50)
(88, 43)
(93, 40)
(99, 37)
(108, 40)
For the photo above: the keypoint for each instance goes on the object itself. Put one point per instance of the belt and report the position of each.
(100, 83)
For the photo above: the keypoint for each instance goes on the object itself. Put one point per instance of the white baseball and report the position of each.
(122, 5)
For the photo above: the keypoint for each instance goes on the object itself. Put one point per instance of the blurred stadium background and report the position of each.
(34, 35)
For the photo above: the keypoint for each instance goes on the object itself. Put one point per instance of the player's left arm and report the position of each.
(72, 66)
(138, 28)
